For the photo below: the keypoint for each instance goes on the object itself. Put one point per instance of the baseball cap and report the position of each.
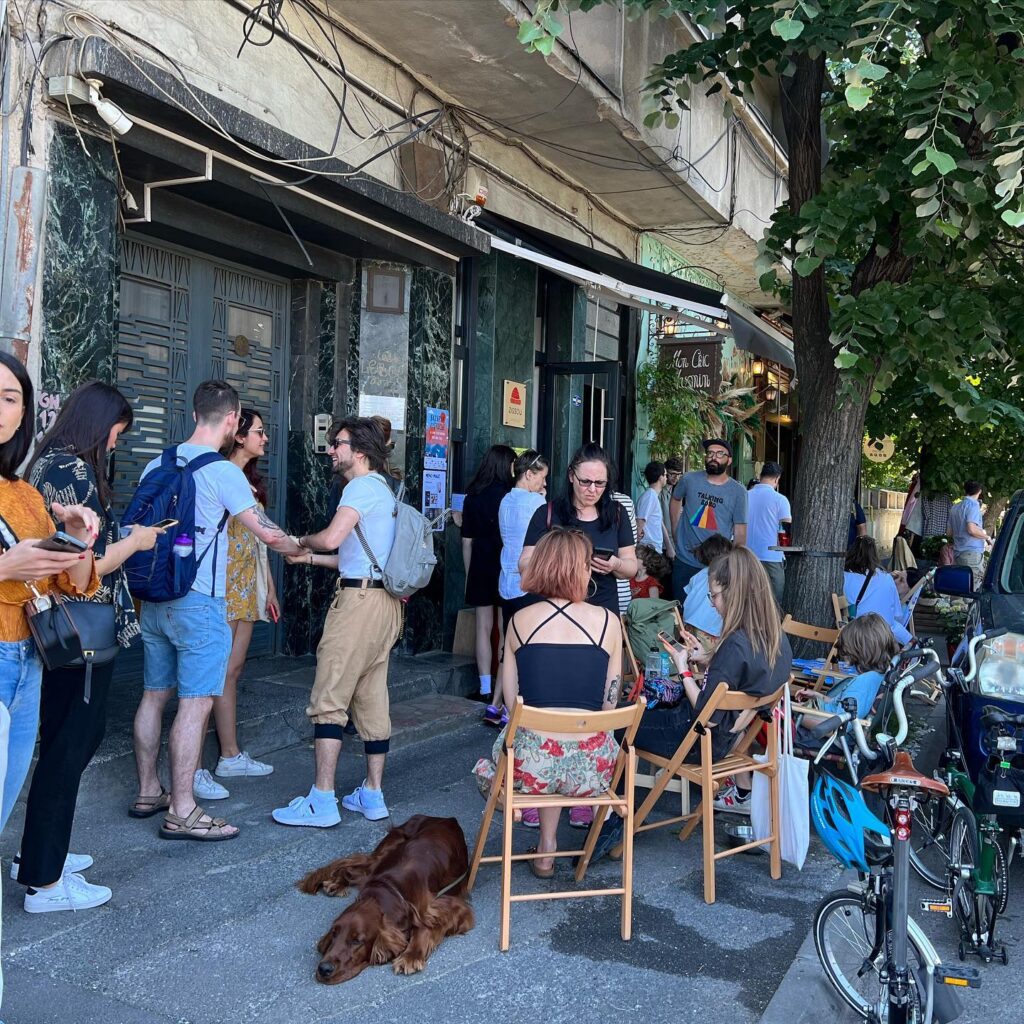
(717, 441)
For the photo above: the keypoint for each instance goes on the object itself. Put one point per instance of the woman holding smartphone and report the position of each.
(69, 471)
(251, 598)
(587, 506)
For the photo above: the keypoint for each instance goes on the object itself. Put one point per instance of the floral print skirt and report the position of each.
(545, 766)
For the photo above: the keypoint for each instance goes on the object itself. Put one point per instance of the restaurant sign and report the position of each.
(699, 363)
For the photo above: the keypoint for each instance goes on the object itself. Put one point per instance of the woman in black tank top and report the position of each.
(563, 654)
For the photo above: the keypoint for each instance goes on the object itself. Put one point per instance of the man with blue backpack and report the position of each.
(191, 490)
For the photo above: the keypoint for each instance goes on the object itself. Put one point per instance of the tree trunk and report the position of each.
(831, 435)
(996, 507)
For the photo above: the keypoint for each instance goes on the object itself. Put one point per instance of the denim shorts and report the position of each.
(187, 643)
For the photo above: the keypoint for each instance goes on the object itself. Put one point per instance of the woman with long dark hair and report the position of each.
(251, 598)
(587, 505)
(66, 476)
(481, 549)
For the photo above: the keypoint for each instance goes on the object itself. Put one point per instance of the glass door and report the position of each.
(579, 404)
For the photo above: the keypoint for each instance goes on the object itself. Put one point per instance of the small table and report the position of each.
(807, 551)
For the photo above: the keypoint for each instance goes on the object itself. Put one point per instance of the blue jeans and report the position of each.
(21, 675)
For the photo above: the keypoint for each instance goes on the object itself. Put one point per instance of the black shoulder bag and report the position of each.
(68, 632)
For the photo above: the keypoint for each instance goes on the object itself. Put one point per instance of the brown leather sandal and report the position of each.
(195, 828)
(147, 806)
(539, 871)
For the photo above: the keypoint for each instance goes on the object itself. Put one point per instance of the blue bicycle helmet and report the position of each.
(842, 819)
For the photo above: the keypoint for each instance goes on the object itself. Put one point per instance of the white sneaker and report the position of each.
(72, 892)
(242, 765)
(730, 801)
(73, 863)
(304, 811)
(367, 802)
(205, 787)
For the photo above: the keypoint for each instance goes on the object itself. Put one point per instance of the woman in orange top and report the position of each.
(21, 564)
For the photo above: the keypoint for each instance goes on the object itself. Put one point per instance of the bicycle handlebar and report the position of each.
(972, 648)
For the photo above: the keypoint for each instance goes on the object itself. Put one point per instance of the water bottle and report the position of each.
(182, 548)
(652, 668)
(667, 666)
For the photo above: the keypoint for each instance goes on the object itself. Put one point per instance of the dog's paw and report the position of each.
(334, 889)
(408, 965)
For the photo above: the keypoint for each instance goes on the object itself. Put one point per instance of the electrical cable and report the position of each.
(252, 19)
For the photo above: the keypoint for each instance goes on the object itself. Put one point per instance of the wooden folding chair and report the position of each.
(708, 774)
(841, 607)
(814, 679)
(584, 723)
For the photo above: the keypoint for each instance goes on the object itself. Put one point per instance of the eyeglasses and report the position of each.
(712, 594)
(592, 485)
(262, 431)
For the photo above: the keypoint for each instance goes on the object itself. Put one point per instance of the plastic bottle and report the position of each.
(667, 666)
(652, 668)
(182, 545)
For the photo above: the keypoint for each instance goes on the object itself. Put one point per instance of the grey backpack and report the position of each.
(411, 563)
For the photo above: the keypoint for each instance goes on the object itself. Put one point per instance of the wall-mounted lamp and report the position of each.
(757, 367)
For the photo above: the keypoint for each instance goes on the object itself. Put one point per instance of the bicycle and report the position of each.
(961, 852)
(873, 953)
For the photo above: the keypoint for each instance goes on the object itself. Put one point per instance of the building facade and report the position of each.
(373, 206)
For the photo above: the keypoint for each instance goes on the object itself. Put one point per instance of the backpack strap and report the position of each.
(550, 506)
(204, 460)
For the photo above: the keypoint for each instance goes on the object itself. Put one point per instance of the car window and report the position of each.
(1011, 574)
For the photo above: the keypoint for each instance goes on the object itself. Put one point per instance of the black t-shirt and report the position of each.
(618, 535)
(744, 670)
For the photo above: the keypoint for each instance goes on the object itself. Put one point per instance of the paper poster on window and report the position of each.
(435, 485)
(435, 452)
(392, 409)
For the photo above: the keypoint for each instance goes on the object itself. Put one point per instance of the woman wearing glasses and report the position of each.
(251, 598)
(587, 506)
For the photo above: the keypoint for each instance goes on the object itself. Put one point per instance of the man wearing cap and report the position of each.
(704, 503)
(768, 512)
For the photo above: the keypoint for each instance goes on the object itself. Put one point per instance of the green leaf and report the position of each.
(672, 120)
(917, 132)
(920, 168)
(929, 208)
(653, 119)
(858, 96)
(951, 230)
(545, 45)
(529, 31)
(806, 265)
(872, 72)
(1008, 158)
(942, 162)
(1015, 218)
(846, 360)
(787, 28)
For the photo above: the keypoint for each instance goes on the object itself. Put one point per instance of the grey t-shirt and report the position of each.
(707, 509)
(371, 496)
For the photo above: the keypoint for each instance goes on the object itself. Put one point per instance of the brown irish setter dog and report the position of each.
(398, 916)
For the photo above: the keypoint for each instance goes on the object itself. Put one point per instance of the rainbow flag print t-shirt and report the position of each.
(707, 509)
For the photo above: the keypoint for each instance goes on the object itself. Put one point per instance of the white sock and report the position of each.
(485, 685)
(319, 796)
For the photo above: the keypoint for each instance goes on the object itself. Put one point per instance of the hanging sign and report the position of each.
(514, 405)
(879, 449)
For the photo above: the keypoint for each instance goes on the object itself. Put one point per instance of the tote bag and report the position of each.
(794, 797)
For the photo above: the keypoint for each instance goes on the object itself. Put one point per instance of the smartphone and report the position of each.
(603, 553)
(274, 614)
(670, 641)
(62, 543)
(166, 524)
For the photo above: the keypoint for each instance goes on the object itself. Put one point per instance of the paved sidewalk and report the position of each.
(198, 935)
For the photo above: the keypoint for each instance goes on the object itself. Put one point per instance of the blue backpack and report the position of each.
(169, 492)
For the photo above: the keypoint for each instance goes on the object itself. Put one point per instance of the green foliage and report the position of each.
(917, 222)
(894, 475)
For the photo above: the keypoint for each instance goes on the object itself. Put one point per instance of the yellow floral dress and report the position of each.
(243, 556)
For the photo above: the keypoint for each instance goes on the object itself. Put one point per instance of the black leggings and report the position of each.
(70, 731)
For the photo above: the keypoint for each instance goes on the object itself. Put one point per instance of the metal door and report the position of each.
(185, 319)
(578, 404)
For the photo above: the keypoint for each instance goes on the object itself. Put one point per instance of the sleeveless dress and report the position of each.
(243, 559)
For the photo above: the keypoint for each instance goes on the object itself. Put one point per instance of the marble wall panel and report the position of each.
(80, 267)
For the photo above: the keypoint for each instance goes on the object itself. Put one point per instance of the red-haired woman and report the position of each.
(564, 654)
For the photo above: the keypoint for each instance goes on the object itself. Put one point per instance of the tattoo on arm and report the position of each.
(611, 695)
(264, 521)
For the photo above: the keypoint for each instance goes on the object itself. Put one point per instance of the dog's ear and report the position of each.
(325, 943)
(390, 942)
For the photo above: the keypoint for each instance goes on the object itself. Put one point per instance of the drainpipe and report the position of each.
(19, 272)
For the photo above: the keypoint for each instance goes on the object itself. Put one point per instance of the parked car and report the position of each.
(997, 602)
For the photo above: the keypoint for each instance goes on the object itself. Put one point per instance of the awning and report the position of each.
(756, 335)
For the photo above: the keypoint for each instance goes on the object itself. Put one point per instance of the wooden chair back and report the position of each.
(841, 607)
(582, 723)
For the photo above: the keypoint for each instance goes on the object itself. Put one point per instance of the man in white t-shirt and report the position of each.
(649, 518)
(362, 625)
(768, 512)
(187, 641)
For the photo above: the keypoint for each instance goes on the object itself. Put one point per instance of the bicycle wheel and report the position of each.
(929, 841)
(963, 849)
(844, 934)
